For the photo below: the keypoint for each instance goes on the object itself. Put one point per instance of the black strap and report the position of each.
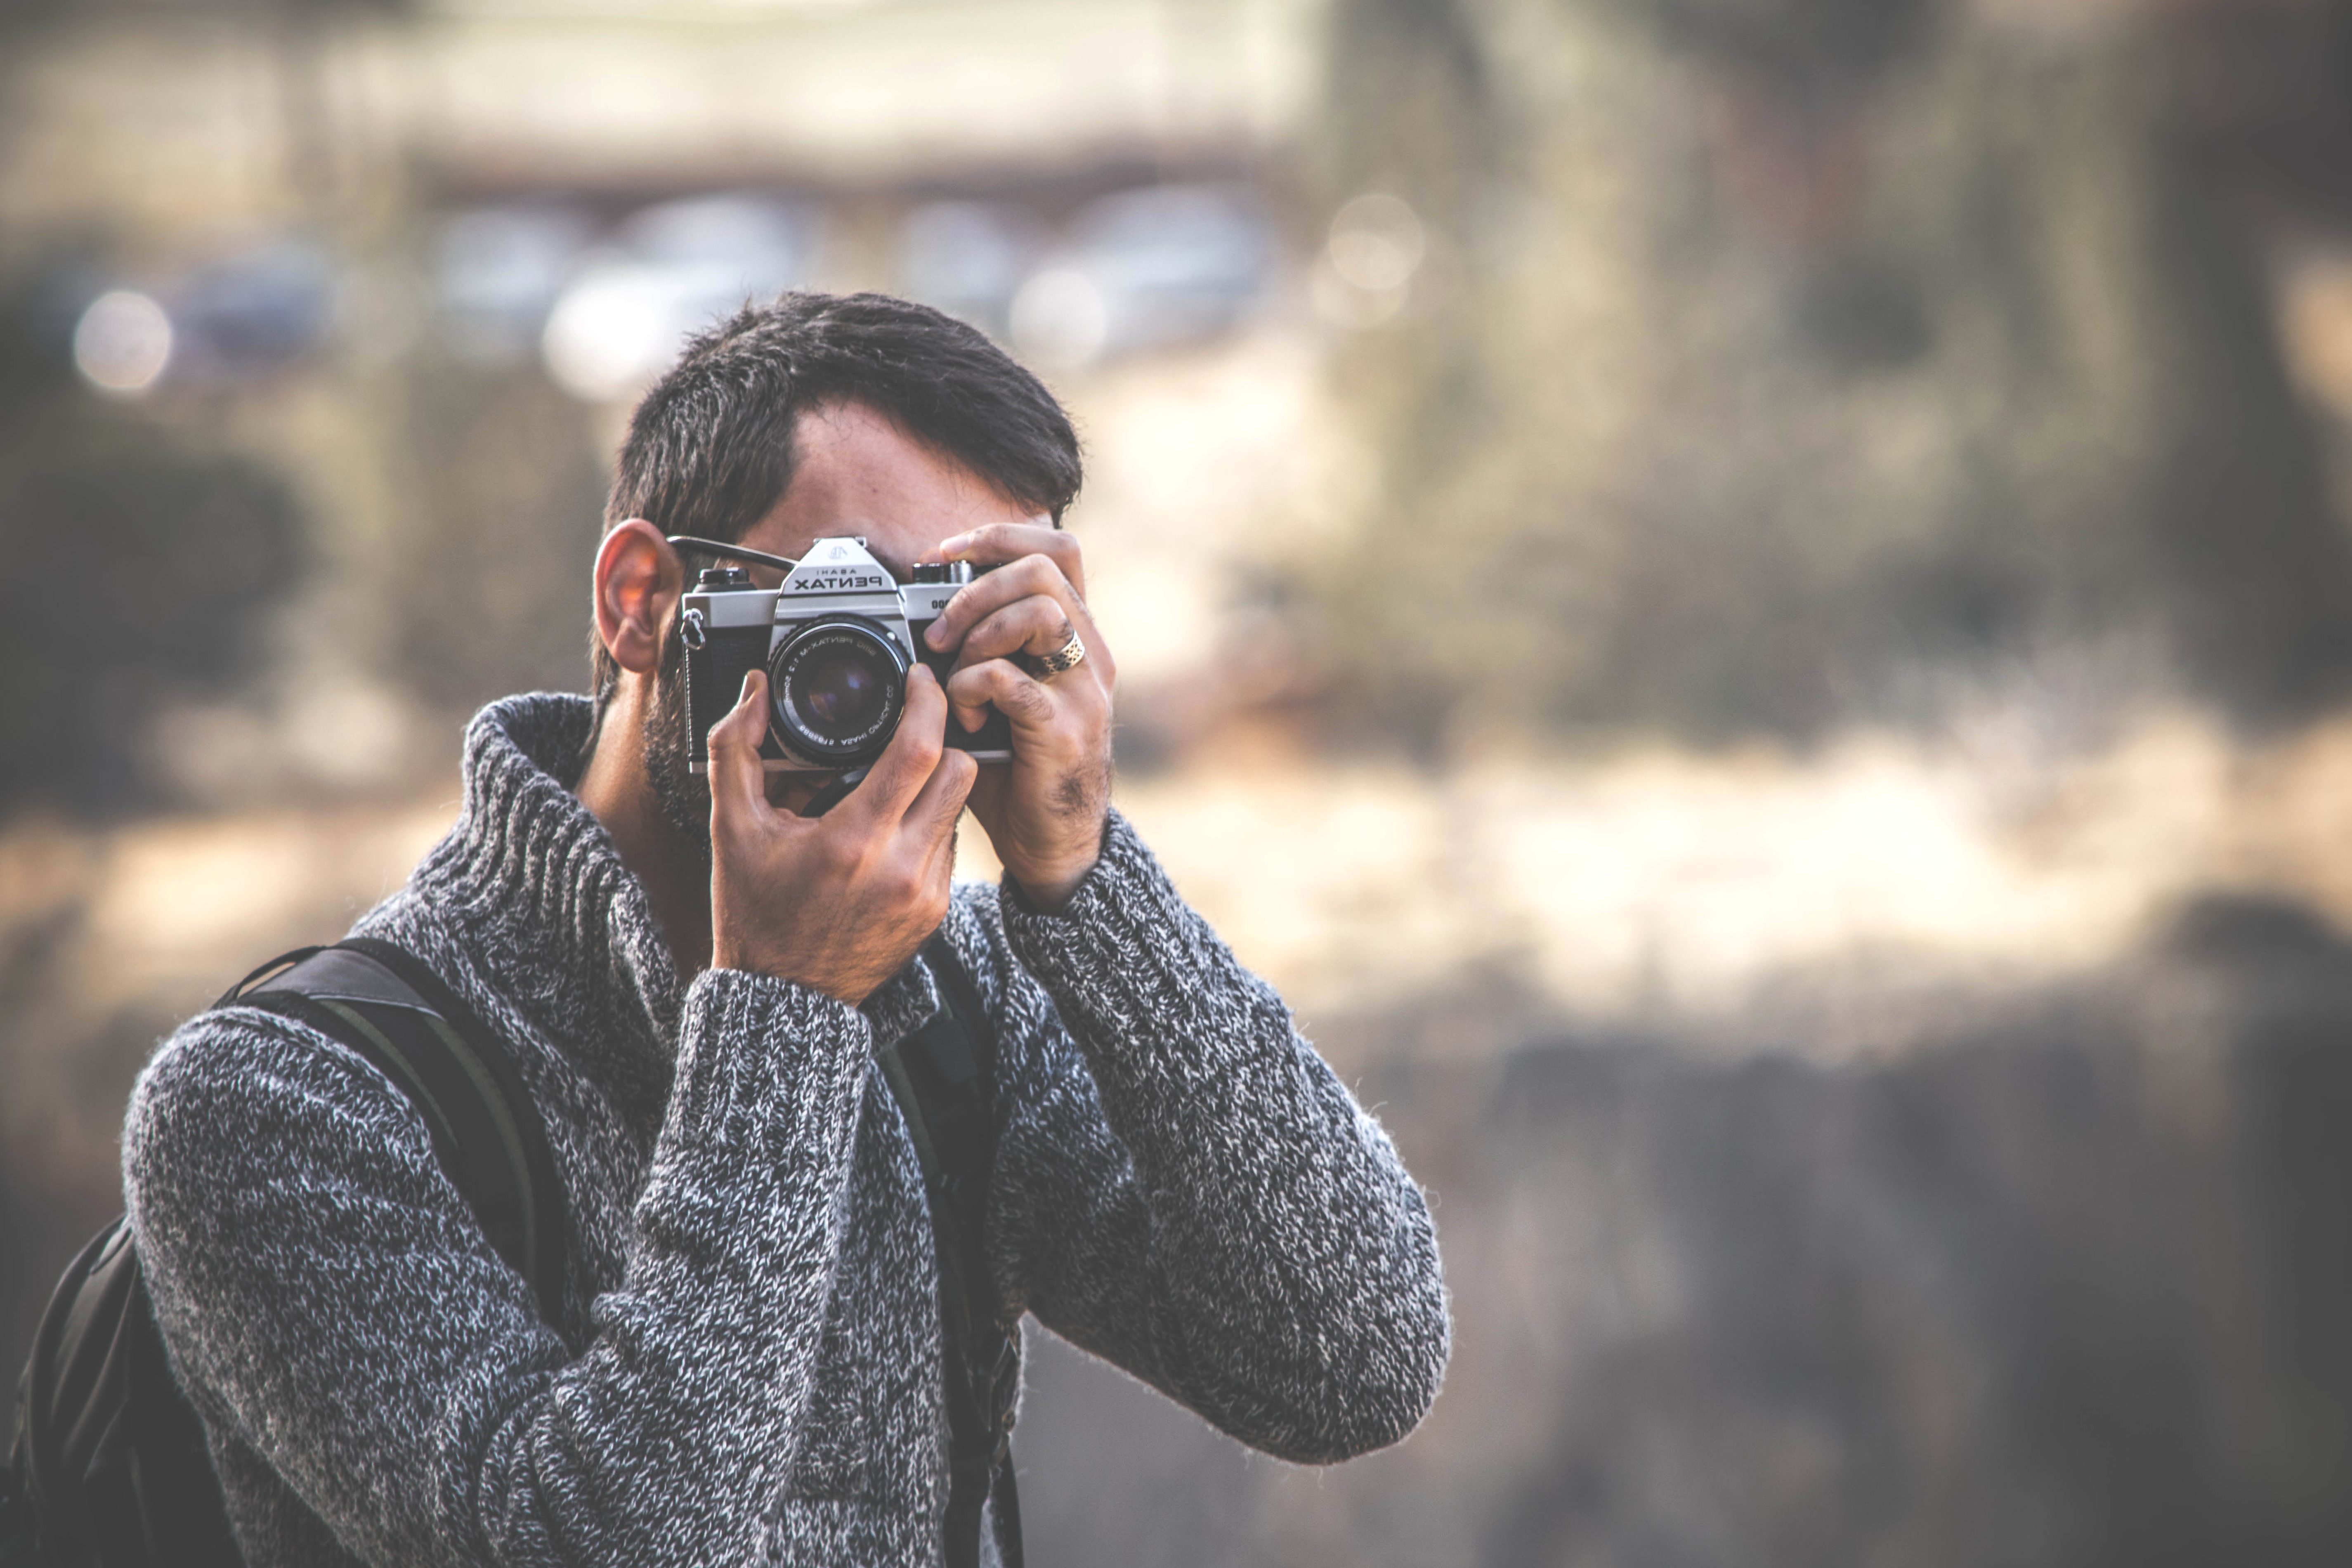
(943, 1076)
(387, 1006)
(18, 1528)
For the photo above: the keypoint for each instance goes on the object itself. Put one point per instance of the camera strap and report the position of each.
(943, 1076)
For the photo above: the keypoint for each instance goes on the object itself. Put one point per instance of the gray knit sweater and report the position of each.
(749, 1363)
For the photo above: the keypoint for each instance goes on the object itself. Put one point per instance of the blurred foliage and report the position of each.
(1825, 42)
(1776, 358)
(486, 590)
(141, 566)
(27, 17)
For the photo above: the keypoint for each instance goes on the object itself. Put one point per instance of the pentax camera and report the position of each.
(837, 641)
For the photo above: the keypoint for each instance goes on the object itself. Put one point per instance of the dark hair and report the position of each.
(710, 447)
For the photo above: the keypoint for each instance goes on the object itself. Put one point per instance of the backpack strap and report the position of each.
(382, 1003)
(943, 1078)
(109, 1463)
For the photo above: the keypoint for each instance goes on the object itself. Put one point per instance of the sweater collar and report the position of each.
(546, 904)
(565, 926)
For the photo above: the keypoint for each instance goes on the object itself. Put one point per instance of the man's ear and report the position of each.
(638, 581)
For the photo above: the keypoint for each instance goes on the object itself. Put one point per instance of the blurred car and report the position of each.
(496, 273)
(1147, 269)
(252, 313)
(668, 272)
(966, 257)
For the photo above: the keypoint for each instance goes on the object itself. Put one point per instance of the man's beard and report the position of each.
(683, 798)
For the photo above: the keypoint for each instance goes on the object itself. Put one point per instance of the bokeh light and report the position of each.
(1060, 317)
(122, 342)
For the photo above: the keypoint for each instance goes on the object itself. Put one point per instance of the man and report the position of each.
(695, 984)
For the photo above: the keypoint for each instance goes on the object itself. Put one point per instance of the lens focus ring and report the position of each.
(835, 690)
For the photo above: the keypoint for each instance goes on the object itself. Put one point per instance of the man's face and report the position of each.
(857, 475)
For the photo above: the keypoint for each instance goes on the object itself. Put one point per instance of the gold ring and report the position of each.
(1067, 657)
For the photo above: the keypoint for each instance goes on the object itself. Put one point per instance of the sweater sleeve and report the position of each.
(327, 1294)
(1199, 1199)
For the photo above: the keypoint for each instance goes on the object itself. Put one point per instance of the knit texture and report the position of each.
(748, 1368)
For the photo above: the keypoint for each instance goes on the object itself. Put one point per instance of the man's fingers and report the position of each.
(993, 544)
(1033, 574)
(934, 811)
(739, 787)
(1034, 625)
(913, 752)
(984, 596)
(1014, 693)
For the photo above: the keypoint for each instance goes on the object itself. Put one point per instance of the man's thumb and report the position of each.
(738, 782)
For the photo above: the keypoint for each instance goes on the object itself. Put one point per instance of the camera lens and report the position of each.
(837, 689)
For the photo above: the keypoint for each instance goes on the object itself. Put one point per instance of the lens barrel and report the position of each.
(835, 690)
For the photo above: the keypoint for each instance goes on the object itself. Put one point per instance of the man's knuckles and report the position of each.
(908, 886)
(1036, 575)
(1024, 699)
(962, 772)
(921, 749)
(1024, 578)
(1011, 540)
(1038, 623)
(998, 682)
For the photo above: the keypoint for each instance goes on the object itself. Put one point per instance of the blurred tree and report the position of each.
(1779, 361)
(1797, 44)
(139, 569)
(499, 525)
(1413, 114)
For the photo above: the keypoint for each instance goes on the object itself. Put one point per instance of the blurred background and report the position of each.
(1747, 602)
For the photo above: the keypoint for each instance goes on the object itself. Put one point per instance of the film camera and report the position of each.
(837, 641)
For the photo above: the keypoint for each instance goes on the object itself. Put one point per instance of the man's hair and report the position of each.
(710, 447)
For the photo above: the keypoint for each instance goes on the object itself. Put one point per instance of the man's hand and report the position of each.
(1045, 813)
(839, 903)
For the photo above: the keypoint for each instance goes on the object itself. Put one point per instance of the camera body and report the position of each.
(837, 641)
